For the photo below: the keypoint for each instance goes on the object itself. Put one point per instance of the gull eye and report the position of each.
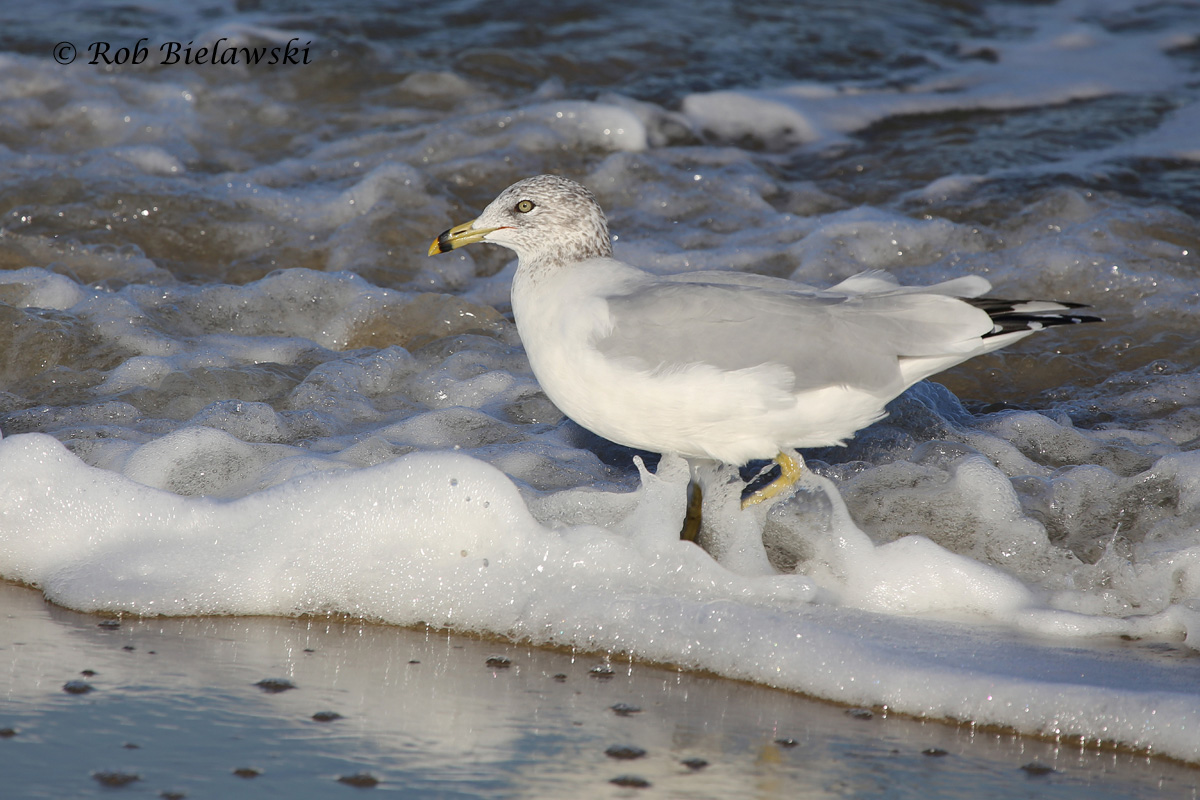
(525, 206)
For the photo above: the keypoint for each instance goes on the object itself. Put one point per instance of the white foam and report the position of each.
(151, 160)
(42, 289)
(447, 540)
(598, 124)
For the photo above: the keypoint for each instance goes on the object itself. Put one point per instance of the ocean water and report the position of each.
(233, 383)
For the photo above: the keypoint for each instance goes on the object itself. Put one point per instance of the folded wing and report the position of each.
(853, 335)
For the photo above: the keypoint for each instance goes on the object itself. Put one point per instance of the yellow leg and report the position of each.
(791, 467)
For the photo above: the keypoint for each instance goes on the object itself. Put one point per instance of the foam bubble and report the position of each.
(596, 124)
(32, 287)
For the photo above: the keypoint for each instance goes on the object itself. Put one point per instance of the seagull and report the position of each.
(724, 366)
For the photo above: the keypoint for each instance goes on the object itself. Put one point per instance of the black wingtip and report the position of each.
(1012, 316)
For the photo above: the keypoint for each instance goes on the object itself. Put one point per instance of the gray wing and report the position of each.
(825, 338)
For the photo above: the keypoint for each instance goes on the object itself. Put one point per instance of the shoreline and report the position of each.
(175, 702)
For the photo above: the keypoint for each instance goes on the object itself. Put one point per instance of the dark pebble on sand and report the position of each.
(326, 716)
(787, 741)
(115, 778)
(601, 672)
(170, 794)
(132, 746)
(624, 752)
(109, 624)
(275, 685)
(625, 710)
(1038, 768)
(934, 751)
(7, 733)
(247, 772)
(631, 782)
(498, 662)
(363, 780)
(860, 713)
(77, 687)
(694, 763)
(559, 677)
(88, 673)
(129, 648)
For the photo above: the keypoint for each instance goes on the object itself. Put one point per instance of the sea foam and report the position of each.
(447, 540)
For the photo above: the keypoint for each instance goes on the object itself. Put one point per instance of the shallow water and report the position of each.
(176, 704)
(233, 383)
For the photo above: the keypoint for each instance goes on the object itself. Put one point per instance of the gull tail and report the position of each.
(1012, 316)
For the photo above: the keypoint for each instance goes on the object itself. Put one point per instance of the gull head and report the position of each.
(544, 219)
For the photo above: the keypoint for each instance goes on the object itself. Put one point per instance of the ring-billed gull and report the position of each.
(724, 365)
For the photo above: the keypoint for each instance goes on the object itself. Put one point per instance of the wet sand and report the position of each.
(271, 707)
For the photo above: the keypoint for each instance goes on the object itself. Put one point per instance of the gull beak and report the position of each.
(458, 236)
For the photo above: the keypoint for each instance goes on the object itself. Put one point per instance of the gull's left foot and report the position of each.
(791, 467)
